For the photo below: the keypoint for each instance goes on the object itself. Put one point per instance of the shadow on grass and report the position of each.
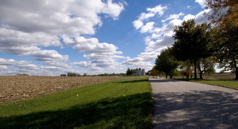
(164, 80)
(134, 81)
(125, 112)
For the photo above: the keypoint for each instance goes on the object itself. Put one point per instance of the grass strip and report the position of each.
(116, 104)
(223, 83)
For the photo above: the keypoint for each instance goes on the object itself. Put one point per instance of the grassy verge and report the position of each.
(117, 104)
(228, 84)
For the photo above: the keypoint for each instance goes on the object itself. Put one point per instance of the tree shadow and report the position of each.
(198, 109)
(123, 112)
(134, 81)
(163, 80)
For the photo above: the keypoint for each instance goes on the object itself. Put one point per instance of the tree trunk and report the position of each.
(200, 71)
(187, 76)
(236, 74)
(235, 65)
(200, 74)
(170, 76)
(195, 69)
(166, 76)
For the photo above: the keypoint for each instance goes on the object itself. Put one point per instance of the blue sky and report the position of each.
(43, 37)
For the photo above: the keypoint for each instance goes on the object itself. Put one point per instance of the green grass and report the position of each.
(117, 104)
(223, 83)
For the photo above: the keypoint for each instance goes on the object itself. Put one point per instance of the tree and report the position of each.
(166, 62)
(186, 68)
(226, 18)
(227, 48)
(223, 12)
(192, 42)
(154, 71)
(206, 66)
(128, 72)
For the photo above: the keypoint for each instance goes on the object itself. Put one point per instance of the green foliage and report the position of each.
(227, 48)
(186, 68)
(166, 63)
(223, 12)
(112, 74)
(154, 71)
(118, 104)
(192, 42)
(130, 72)
(69, 74)
(206, 65)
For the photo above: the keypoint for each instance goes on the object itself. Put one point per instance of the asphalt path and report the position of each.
(187, 105)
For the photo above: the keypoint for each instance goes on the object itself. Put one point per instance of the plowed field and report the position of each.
(15, 88)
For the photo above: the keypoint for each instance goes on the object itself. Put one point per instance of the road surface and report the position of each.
(187, 105)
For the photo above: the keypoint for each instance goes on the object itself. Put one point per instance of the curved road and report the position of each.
(187, 105)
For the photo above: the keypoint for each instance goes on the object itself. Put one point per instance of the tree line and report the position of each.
(198, 47)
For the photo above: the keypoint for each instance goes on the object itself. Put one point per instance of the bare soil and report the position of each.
(15, 88)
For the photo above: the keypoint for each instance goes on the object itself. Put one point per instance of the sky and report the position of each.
(53, 37)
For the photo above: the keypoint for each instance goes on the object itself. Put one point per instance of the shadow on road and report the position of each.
(198, 109)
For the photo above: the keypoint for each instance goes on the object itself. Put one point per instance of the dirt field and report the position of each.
(15, 88)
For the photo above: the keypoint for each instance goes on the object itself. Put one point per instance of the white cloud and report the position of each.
(188, 17)
(159, 9)
(27, 28)
(148, 27)
(151, 12)
(138, 62)
(138, 24)
(9, 37)
(91, 45)
(101, 55)
(188, 7)
(173, 16)
(112, 9)
(201, 17)
(71, 17)
(48, 55)
(13, 67)
(201, 2)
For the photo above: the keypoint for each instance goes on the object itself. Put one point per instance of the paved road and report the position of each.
(186, 105)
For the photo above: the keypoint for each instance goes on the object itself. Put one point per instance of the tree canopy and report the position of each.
(223, 11)
(192, 42)
(166, 62)
(227, 48)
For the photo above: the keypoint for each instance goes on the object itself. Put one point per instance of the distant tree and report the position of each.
(62, 74)
(154, 71)
(23, 74)
(70, 74)
(85, 74)
(166, 62)
(223, 12)
(128, 72)
(192, 42)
